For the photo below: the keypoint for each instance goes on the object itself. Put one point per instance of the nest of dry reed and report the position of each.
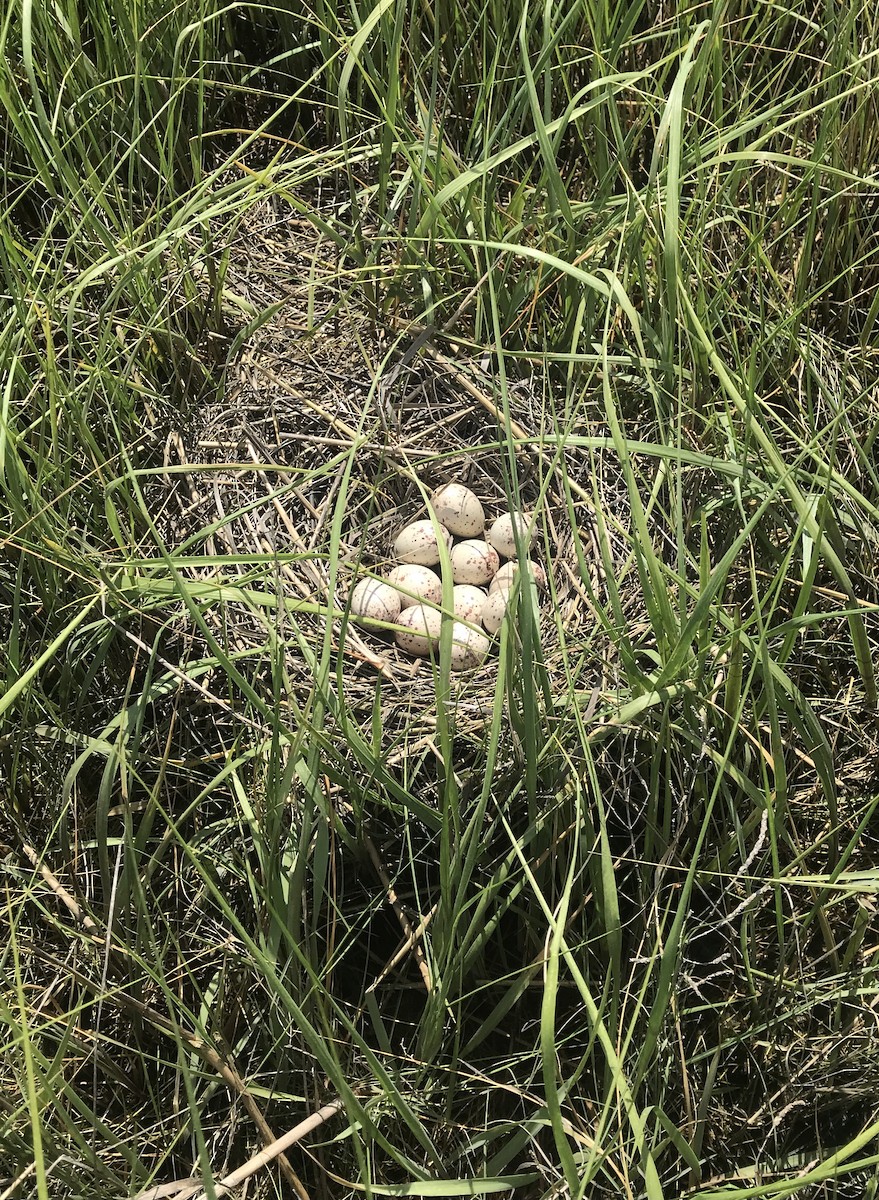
(255, 481)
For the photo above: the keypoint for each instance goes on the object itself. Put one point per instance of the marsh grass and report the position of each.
(600, 921)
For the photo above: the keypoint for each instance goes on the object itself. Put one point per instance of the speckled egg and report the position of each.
(507, 573)
(374, 600)
(468, 601)
(494, 609)
(459, 510)
(502, 537)
(474, 561)
(469, 648)
(419, 630)
(417, 543)
(414, 583)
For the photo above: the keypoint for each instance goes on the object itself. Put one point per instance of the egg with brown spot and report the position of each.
(418, 630)
(494, 609)
(508, 571)
(415, 583)
(418, 543)
(374, 600)
(502, 535)
(459, 509)
(469, 648)
(474, 562)
(468, 601)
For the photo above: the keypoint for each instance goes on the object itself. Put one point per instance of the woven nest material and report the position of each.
(264, 475)
(263, 472)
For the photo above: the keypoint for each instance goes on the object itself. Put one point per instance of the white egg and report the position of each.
(417, 543)
(459, 509)
(474, 562)
(468, 601)
(374, 600)
(502, 537)
(507, 573)
(415, 583)
(495, 608)
(419, 630)
(469, 648)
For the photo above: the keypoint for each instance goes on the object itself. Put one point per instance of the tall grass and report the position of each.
(646, 887)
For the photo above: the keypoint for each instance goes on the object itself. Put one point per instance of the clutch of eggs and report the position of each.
(410, 598)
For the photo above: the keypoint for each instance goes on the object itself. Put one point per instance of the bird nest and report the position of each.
(326, 443)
